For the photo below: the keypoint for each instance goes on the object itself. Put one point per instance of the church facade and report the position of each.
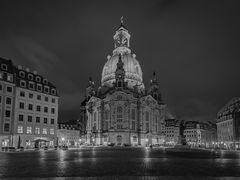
(122, 111)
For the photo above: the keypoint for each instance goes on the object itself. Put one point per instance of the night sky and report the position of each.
(194, 46)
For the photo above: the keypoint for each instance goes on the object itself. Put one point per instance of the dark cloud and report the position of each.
(193, 45)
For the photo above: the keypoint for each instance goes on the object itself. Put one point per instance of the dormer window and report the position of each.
(45, 81)
(39, 87)
(22, 74)
(38, 79)
(4, 67)
(46, 89)
(30, 76)
(10, 78)
(31, 85)
(22, 83)
(53, 91)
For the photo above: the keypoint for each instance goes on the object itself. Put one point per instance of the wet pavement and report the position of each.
(117, 163)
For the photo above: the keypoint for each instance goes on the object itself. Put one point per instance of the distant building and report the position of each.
(200, 134)
(28, 108)
(68, 135)
(228, 124)
(172, 131)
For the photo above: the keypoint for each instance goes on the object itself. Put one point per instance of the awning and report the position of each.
(40, 140)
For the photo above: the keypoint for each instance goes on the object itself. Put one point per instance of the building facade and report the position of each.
(30, 108)
(200, 134)
(228, 125)
(68, 135)
(121, 111)
(7, 99)
(172, 132)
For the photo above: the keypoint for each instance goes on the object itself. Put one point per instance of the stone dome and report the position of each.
(133, 71)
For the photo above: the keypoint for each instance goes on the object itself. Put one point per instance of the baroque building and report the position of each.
(122, 111)
(28, 108)
(228, 124)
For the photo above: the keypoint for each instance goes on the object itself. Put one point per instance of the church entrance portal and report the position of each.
(119, 140)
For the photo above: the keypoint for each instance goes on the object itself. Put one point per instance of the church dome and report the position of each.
(133, 71)
(132, 68)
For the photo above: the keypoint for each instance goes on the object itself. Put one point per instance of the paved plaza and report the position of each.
(116, 163)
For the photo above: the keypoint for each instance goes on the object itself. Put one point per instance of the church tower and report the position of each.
(90, 91)
(154, 89)
(121, 40)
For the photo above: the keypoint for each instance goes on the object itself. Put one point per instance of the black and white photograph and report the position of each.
(120, 89)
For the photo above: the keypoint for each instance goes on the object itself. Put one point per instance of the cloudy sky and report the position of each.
(194, 46)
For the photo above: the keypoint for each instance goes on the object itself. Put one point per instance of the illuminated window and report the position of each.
(52, 131)
(134, 138)
(20, 129)
(37, 130)
(29, 130)
(10, 78)
(44, 130)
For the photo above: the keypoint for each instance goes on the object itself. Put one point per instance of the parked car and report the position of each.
(64, 147)
(11, 149)
(111, 144)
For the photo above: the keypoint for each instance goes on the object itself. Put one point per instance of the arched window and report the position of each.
(147, 116)
(147, 120)
(106, 115)
(119, 117)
